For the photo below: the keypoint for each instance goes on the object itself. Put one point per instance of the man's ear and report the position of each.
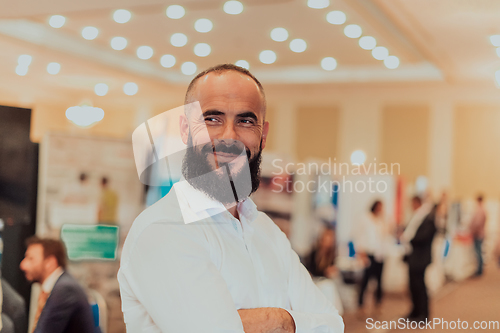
(265, 130)
(184, 127)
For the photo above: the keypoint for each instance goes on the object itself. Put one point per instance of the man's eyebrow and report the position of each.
(248, 114)
(212, 113)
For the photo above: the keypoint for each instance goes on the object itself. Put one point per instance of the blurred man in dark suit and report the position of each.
(419, 235)
(62, 305)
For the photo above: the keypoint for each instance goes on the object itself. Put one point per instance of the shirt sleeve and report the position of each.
(310, 309)
(177, 286)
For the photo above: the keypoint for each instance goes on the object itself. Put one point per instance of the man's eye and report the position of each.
(247, 121)
(210, 119)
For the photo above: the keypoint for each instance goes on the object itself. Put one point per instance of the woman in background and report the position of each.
(371, 246)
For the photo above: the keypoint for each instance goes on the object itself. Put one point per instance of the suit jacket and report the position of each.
(67, 309)
(421, 254)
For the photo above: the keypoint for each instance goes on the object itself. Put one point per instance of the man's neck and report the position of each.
(234, 211)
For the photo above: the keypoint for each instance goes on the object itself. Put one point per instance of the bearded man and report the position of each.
(203, 258)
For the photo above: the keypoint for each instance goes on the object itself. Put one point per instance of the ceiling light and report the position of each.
(144, 52)
(178, 40)
(118, 43)
(130, 88)
(90, 33)
(203, 25)
(328, 63)
(24, 60)
(202, 49)
(391, 62)
(188, 68)
(495, 40)
(367, 42)
(233, 7)
(279, 34)
(122, 16)
(336, 17)
(175, 12)
(358, 157)
(380, 53)
(57, 21)
(167, 61)
(497, 78)
(298, 45)
(101, 89)
(53, 68)
(318, 4)
(84, 116)
(21, 70)
(242, 63)
(353, 31)
(267, 57)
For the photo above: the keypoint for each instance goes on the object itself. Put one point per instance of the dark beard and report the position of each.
(198, 171)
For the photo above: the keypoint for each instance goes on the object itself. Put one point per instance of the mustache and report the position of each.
(219, 147)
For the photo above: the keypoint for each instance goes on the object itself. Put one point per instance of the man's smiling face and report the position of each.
(230, 127)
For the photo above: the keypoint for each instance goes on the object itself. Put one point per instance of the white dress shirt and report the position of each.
(178, 277)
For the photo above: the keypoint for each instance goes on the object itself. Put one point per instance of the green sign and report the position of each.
(90, 241)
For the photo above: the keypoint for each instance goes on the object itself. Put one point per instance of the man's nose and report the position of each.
(229, 132)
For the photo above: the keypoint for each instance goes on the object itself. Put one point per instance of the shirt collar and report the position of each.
(50, 281)
(203, 206)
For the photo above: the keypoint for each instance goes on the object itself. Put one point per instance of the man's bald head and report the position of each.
(218, 70)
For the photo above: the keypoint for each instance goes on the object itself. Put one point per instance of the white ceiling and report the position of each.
(435, 40)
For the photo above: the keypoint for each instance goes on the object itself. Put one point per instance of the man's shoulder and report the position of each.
(67, 286)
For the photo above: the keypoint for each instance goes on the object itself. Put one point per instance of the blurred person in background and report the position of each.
(418, 237)
(320, 263)
(62, 305)
(371, 242)
(476, 229)
(108, 205)
(13, 309)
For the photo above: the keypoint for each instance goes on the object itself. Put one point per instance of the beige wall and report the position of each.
(317, 132)
(476, 164)
(405, 137)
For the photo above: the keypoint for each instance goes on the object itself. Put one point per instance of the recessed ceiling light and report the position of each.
(367, 42)
(336, 17)
(202, 49)
(118, 43)
(203, 25)
(267, 57)
(21, 70)
(328, 63)
(358, 157)
(298, 45)
(242, 63)
(279, 34)
(391, 62)
(122, 16)
(495, 40)
(53, 68)
(318, 4)
(178, 39)
(90, 33)
(167, 61)
(188, 68)
(101, 89)
(380, 53)
(233, 7)
(175, 12)
(144, 52)
(353, 31)
(24, 60)
(85, 115)
(57, 21)
(497, 78)
(130, 88)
